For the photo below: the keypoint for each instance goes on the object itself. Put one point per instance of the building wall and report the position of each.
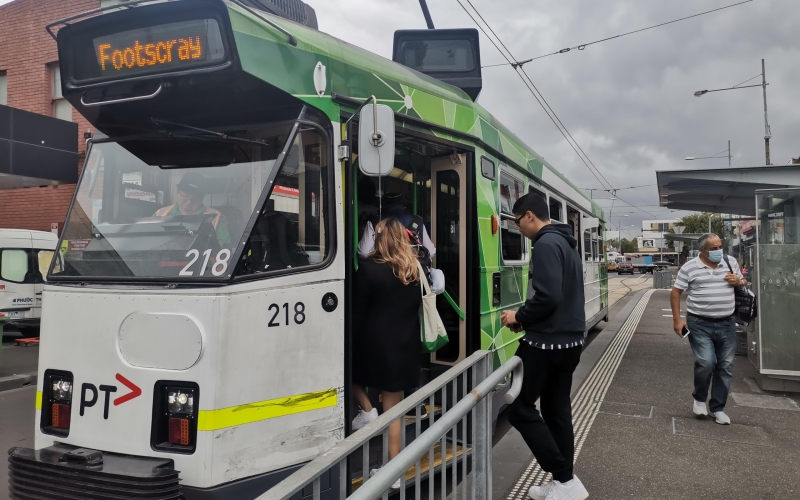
(27, 53)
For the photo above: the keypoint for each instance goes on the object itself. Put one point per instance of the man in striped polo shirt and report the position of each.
(712, 326)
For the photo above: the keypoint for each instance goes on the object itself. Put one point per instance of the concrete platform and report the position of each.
(637, 436)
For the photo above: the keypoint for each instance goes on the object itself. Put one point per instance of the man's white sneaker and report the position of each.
(395, 485)
(571, 490)
(540, 492)
(364, 417)
(700, 409)
(721, 418)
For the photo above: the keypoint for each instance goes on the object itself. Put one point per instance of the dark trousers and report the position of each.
(549, 435)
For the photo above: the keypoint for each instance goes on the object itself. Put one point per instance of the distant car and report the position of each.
(625, 267)
(663, 263)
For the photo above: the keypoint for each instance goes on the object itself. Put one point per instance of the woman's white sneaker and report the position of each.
(571, 490)
(540, 492)
(364, 417)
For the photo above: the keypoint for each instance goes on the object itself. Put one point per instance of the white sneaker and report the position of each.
(395, 485)
(571, 490)
(364, 417)
(700, 409)
(721, 418)
(540, 492)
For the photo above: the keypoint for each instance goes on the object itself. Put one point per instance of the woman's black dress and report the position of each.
(387, 349)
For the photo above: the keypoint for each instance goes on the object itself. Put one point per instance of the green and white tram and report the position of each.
(197, 326)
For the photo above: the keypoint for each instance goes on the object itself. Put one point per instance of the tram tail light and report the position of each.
(175, 412)
(179, 431)
(59, 416)
(56, 402)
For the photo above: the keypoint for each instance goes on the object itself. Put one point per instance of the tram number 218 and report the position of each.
(219, 264)
(299, 316)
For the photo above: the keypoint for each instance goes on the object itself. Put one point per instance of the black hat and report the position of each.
(192, 182)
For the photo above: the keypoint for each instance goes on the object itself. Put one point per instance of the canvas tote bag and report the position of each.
(433, 334)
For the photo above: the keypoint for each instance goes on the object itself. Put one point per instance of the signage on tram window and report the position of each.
(165, 47)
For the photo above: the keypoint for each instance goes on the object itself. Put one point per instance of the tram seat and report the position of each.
(273, 242)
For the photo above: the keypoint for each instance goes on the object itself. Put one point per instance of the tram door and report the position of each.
(448, 231)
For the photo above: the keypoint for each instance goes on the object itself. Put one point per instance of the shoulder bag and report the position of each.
(746, 304)
(433, 334)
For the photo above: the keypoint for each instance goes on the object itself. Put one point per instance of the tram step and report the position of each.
(425, 464)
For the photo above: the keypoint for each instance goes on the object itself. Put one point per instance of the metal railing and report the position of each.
(455, 434)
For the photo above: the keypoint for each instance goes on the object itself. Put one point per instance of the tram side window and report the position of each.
(292, 229)
(573, 219)
(537, 192)
(555, 209)
(587, 245)
(512, 241)
(595, 246)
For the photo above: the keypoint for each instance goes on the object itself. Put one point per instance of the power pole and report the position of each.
(767, 133)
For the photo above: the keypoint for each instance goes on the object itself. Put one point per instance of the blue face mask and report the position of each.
(715, 255)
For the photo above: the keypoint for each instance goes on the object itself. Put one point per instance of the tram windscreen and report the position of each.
(169, 207)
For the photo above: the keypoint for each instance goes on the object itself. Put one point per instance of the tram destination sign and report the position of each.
(156, 49)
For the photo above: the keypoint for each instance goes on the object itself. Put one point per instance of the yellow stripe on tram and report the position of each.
(212, 420)
(39, 400)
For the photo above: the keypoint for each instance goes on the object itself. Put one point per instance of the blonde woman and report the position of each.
(386, 341)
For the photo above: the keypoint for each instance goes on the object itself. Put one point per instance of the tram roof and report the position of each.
(356, 73)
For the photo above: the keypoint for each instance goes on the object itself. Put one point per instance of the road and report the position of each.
(621, 286)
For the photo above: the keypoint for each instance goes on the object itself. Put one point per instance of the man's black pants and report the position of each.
(547, 377)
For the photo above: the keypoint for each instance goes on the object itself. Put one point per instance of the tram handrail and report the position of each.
(484, 382)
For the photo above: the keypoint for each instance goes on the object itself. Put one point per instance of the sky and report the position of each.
(628, 102)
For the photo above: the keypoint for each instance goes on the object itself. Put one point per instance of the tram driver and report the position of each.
(189, 201)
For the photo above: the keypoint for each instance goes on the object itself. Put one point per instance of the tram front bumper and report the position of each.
(63, 471)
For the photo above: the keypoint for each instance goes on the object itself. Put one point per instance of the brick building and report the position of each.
(30, 81)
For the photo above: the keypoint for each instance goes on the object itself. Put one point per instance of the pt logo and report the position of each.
(89, 394)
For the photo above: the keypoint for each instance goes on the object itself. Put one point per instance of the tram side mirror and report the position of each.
(376, 140)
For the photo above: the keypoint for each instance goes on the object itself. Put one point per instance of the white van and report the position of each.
(25, 258)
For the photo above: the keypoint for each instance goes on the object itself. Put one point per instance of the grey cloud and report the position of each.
(629, 101)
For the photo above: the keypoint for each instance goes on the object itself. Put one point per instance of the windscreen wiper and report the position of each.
(220, 135)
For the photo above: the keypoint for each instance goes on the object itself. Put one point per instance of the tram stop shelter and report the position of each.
(36, 150)
(770, 195)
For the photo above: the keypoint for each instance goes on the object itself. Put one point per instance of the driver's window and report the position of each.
(293, 228)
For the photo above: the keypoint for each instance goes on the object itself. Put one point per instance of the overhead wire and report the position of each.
(519, 68)
(555, 120)
(584, 45)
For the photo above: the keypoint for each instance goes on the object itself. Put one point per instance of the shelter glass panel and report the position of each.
(778, 277)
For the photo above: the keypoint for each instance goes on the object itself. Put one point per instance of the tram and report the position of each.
(196, 327)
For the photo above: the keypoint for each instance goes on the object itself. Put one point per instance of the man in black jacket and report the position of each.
(554, 321)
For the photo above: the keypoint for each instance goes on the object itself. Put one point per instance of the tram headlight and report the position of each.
(61, 389)
(180, 401)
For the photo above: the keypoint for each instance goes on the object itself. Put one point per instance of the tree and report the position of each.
(626, 246)
(698, 224)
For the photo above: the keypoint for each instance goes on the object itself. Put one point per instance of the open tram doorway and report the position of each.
(429, 180)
